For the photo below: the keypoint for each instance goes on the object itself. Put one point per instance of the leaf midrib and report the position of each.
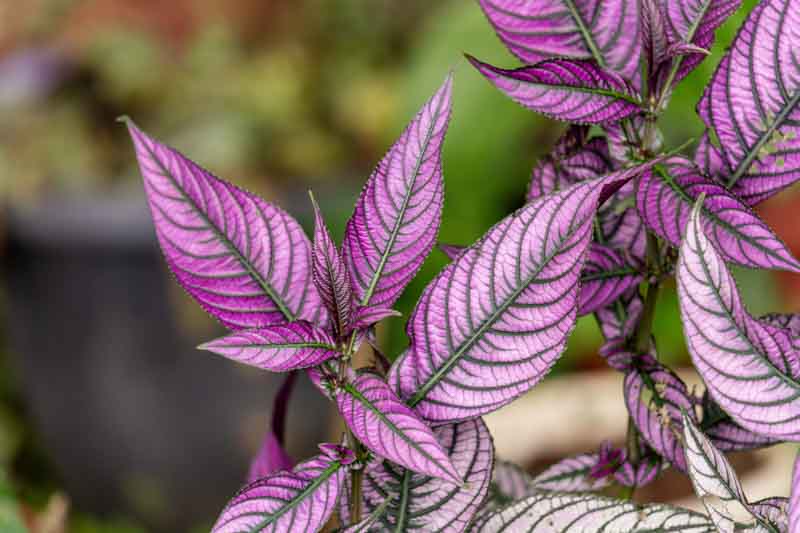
(255, 275)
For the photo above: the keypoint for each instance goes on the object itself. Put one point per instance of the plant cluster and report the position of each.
(609, 216)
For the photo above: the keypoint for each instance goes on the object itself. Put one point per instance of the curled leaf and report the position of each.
(419, 502)
(300, 500)
(278, 348)
(390, 429)
(397, 216)
(574, 91)
(245, 261)
(534, 30)
(742, 361)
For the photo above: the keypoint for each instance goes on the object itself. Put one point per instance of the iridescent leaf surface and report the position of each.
(397, 216)
(751, 103)
(665, 196)
(574, 91)
(606, 276)
(589, 513)
(727, 435)
(300, 500)
(737, 356)
(246, 262)
(533, 30)
(278, 348)
(485, 330)
(710, 160)
(418, 502)
(272, 456)
(390, 429)
(571, 475)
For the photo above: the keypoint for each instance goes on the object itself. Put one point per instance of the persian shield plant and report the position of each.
(610, 215)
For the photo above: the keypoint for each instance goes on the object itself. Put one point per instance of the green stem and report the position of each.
(641, 339)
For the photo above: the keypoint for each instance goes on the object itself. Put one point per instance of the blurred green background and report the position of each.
(277, 96)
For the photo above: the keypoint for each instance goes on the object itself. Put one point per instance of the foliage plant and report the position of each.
(610, 215)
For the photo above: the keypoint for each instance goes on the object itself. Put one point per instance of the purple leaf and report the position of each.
(692, 23)
(369, 316)
(665, 196)
(300, 500)
(655, 39)
(330, 275)
(735, 354)
(709, 159)
(727, 435)
(606, 276)
(574, 91)
(272, 456)
(714, 480)
(794, 498)
(619, 319)
(751, 103)
(571, 475)
(655, 397)
(589, 513)
(397, 216)
(451, 250)
(788, 321)
(278, 348)
(510, 481)
(418, 502)
(484, 331)
(609, 459)
(244, 260)
(774, 512)
(533, 30)
(390, 429)
(572, 159)
(641, 474)
(626, 140)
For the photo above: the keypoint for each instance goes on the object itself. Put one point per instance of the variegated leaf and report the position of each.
(738, 357)
(589, 513)
(245, 261)
(571, 475)
(278, 348)
(665, 196)
(418, 502)
(751, 103)
(300, 500)
(390, 429)
(484, 331)
(534, 30)
(397, 216)
(574, 91)
(606, 276)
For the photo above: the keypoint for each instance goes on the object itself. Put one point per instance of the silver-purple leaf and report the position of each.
(606, 276)
(794, 497)
(419, 502)
(245, 261)
(773, 511)
(571, 475)
(278, 348)
(534, 30)
(330, 276)
(510, 482)
(484, 330)
(751, 103)
(655, 397)
(618, 320)
(589, 513)
(451, 250)
(736, 355)
(787, 321)
(397, 216)
(368, 316)
(272, 456)
(727, 435)
(573, 159)
(655, 39)
(390, 429)
(567, 90)
(693, 23)
(300, 500)
(714, 479)
(641, 474)
(666, 194)
(710, 160)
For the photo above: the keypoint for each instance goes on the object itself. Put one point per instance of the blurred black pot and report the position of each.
(137, 421)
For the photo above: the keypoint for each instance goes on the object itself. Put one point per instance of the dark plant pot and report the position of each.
(135, 418)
